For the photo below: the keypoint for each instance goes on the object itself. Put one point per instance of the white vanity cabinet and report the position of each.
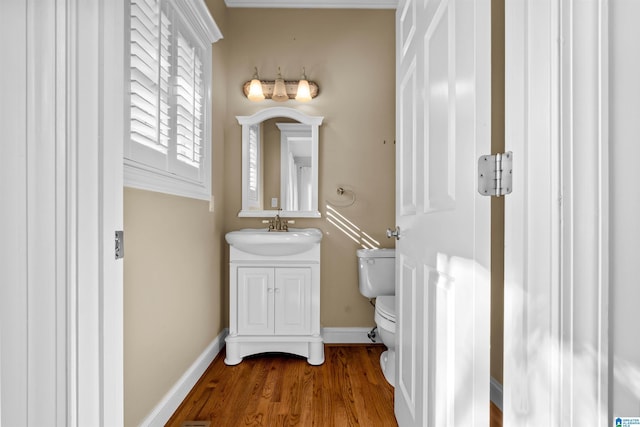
(274, 301)
(274, 305)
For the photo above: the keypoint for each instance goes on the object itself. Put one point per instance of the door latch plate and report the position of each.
(119, 244)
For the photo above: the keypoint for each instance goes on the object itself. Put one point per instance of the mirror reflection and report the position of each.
(280, 163)
(296, 186)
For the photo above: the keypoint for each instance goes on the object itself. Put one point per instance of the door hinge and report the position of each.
(119, 244)
(495, 174)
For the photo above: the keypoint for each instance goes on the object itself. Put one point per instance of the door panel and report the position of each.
(255, 301)
(439, 116)
(442, 286)
(410, 319)
(407, 151)
(293, 301)
(444, 322)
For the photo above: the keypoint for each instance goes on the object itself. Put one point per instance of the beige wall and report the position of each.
(174, 294)
(271, 161)
(351, 55)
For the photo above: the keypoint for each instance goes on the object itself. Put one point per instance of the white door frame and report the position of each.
(61, 172)
(584, 173)
(112, 131)
(556, 219)
(94, 143)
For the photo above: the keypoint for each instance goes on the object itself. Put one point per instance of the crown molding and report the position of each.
(315, 4)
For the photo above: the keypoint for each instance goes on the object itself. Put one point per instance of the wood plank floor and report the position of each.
(495, 416)
(281, 390)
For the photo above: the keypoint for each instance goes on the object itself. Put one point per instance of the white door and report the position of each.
(442, 256)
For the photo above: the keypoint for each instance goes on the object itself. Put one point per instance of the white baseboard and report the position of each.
(170, 402)
(347, 336)
(496, 393)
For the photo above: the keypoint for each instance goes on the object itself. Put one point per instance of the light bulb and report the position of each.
(255, 91)
(255, 88)
(279, 90)
(304, 92)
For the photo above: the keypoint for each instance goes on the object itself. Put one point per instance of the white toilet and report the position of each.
(376, 274)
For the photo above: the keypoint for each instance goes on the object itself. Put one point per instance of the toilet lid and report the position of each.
(376, 253)
(386, 307)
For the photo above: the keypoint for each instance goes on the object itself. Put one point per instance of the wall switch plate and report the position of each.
(211, 205)
(274, 202)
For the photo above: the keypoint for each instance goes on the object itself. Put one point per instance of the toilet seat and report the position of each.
(385, 313)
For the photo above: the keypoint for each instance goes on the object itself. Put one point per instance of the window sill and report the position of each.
(137, 175)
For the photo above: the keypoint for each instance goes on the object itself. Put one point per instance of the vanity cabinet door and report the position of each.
(255, 301)
(293, 301)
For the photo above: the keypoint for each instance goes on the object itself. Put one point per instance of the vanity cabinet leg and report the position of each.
(233, 354)
(316, 353)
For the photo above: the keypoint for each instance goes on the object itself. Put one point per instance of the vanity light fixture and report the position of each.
(280, 89)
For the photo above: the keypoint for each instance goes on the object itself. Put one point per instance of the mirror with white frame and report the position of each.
(280, 163)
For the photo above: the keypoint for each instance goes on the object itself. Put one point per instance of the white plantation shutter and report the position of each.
(254, 193)
(150, 71)
(168, 148)
(189, 90)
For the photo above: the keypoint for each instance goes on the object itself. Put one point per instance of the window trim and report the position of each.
(137, 174)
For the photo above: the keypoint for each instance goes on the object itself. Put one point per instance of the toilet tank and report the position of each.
(376, 272)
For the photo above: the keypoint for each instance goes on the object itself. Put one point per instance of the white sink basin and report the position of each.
(260, 241)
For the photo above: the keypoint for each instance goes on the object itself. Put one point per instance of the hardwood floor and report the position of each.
(495, 416)
(282, 390)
